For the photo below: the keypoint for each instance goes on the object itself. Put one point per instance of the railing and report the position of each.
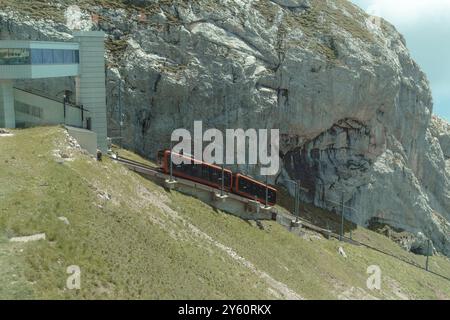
(68, 113)
(44, 95)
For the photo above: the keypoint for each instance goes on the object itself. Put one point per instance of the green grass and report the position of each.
(14, 284)
(313, 268)
(132, 156)
(146, 242)
(121, 250)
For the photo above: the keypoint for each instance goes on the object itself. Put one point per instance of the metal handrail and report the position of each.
(45, 96)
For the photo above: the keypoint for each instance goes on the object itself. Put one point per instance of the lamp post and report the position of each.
(297, 197)
(223, 182)
(428, 254)
(171, 162)
(118, 109)
(343, 207)
(342, 217)
(225, 124)
(120, 112)
(64, 105)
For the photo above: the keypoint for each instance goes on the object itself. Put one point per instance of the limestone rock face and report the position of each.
(440, 130)
(293, 3)
(354, 110)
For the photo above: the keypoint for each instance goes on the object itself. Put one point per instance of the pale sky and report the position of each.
(426, 27)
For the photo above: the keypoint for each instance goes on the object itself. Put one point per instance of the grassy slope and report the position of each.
(145, 242)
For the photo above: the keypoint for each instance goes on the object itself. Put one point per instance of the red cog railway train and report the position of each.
(211, 175)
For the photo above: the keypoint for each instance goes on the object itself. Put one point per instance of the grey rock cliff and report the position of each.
(354, 110)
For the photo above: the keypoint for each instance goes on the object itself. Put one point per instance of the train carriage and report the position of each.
(252, 189)
(195, 170)
(211, 175)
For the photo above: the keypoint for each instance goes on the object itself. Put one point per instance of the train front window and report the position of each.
(215, 176)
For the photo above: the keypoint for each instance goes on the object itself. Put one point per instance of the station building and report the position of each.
(81, 58)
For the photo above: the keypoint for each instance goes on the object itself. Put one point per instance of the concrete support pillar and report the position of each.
(91, 88)
(7, 114)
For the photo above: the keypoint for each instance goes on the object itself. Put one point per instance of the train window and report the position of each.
(215, 176)
(203, 172)
(206, 172)
(272, 196)
(196, 170)
(255, 190)
(227, 178)
(182, 167)
(187, 168)
(261, 192)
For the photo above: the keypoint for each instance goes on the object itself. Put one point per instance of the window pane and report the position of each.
(36, 56)
(68, 56)
(58, 56)
(14, 56)
(26, 58)
(3, 56)
(47, 56)
(77, 56)
(19, 56)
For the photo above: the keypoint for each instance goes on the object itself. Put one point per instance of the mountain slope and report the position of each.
(133, 239)
(353, 108)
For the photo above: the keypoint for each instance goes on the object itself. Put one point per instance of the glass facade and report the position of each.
(14, 56)
(38, 56)
(28, 109)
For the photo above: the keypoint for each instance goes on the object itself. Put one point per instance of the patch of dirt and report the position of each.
(67, 149)
(35, 237)
(5, 133)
